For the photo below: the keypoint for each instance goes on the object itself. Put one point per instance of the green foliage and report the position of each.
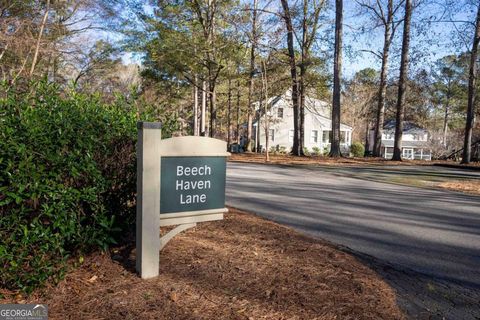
(306, 151)
(357, 149)
(316, 151)
(67, 180)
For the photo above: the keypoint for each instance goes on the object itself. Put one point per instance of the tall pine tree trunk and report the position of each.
(238, 113)
(337, 74)
(195, 107)
(367, 140)
(301, 89)
(229, 114)
(213, 108)
(377, 143)
(265, 101)
(296, 149)
(445, 122)
(467, 144)
(250, 80)
(204, 110)
(402, 84)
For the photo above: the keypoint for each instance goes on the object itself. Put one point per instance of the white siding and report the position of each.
(283, 126)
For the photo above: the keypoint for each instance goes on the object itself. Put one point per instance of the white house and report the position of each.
(317, 124)
(415, 144)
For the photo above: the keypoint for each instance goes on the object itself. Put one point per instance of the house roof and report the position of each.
(408, 127)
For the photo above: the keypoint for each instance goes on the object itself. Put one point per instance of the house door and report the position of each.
(408, 154)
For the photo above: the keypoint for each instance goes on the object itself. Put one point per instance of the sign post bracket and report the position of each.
(172, 233)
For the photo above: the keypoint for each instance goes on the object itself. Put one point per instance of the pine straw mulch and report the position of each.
(467, 186)
(322, 160)
(243, 267)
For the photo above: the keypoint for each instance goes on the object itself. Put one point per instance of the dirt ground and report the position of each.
(243, 267)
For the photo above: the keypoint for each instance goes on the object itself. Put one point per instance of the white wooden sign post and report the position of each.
(180, 181)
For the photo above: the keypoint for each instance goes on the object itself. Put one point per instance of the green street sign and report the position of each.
(192, 183)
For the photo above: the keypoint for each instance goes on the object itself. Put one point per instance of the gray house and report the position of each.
(415, 145)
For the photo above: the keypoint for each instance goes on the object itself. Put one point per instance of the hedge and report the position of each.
(67, 180)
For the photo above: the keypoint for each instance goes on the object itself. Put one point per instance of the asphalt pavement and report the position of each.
(424, 242)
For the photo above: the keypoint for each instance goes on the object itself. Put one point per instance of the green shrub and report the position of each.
(316, 151)
(67, 180)
(357, 149)
(306, 151)
(326, 150)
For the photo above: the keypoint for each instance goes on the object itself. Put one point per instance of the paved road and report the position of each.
(433, 233)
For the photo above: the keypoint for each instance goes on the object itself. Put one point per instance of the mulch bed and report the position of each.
(243, 267)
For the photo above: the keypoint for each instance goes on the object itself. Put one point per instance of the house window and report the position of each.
(290, 136)
(388, 136)
(326, 136)
(342, 136)
(314, 136)
(280, 112)
(271, 134)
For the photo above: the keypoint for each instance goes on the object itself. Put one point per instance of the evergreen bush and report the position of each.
(67, 180)
(357, 150)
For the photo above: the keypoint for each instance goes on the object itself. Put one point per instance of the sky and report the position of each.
(426, 47)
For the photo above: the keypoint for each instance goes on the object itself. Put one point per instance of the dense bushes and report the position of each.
(357, 149)
(67, 180)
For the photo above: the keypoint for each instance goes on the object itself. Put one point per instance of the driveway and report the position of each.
(424, 242)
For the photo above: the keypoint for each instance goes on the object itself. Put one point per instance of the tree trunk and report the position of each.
(296, 149)
(445, 122)
(472, 74)
(249, 141)
(402, 84)
(301, 106)
(39, 39)
(213, 108)
(337, 74)
(229, 114)
(238, 112)
(258, 147)
(267, 124)
(377, 143)
(204, 109)
(250, 80)
(367, 141)
(195, 107)
(303, 72)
